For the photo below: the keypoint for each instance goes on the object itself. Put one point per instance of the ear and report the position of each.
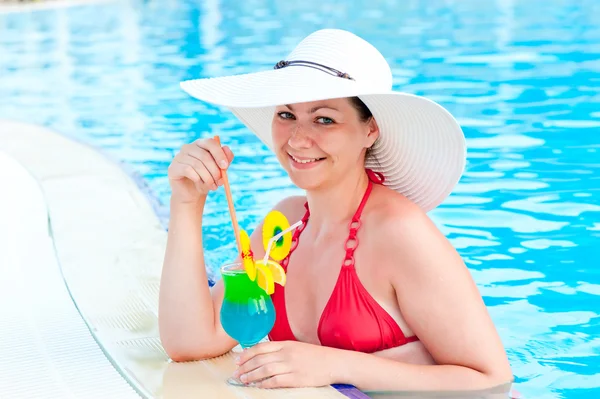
(372, 132)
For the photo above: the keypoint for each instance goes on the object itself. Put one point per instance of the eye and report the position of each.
(325, 120)
(285, 115)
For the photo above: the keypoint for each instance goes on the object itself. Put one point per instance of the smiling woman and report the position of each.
(380, 314)
(313, 136)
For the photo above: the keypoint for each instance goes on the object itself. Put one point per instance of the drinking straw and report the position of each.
(236, 227)
(275, 238)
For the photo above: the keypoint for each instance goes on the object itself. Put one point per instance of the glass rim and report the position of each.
(232, 268)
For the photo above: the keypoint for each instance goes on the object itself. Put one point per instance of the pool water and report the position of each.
(523, 79)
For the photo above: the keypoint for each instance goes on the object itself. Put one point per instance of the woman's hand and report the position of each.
(196, 170)
(286, 364)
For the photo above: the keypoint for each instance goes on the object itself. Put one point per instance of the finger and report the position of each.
(260, 349)
(201, 168)
(285, 380)
(230, 157)
(207, 160)
(228, 153)
(216, 151)
(180, 171)
(258, 362)
(265, 371)
(198, 167)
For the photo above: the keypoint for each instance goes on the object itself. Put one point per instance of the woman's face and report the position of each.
(319, 142)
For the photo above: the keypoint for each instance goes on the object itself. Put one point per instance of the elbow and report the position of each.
(185, 356)
(190, 343)
(178, 352)
(180, 349)
(188, 353)
(180, 356)
(504, 377)
(500, 375)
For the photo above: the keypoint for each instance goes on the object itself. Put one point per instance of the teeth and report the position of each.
(305, 160)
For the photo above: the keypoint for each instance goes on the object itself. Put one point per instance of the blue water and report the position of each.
(522, 77)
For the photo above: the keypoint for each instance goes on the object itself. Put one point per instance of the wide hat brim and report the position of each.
(421, 150)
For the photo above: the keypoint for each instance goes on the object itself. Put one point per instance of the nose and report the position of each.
(300, 139)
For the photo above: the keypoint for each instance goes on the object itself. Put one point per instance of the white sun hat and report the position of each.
(421, 150)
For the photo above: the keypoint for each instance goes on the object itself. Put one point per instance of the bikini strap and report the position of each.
(352, 240)
(375, 177)
(296, 237)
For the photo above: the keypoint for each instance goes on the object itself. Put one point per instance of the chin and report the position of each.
(306, 175)
(306, 181)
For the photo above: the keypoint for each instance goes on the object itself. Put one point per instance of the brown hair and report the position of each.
(363, 111)
(364, 114)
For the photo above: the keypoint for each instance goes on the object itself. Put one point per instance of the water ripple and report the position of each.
(521, 78)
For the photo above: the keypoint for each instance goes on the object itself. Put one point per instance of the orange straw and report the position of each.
(236, 228)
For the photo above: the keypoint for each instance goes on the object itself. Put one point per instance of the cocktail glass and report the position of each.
(247, 312)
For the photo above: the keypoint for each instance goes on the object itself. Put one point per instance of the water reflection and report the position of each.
(501, 392)
(521, 77)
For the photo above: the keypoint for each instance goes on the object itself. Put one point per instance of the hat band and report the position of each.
(310, 64)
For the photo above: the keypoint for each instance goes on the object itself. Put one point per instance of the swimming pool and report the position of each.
(523, 78)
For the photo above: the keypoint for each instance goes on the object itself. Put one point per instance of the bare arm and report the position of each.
(443, 307)
(413, 352)
(188, 311)
(373, 373)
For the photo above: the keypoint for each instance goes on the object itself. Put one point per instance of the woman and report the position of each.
(376, 296)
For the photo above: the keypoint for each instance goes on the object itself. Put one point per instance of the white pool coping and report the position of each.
(78, 225)
(44, 341)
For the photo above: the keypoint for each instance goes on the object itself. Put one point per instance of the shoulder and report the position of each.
(435, 291)
(292, 207)
(396, 214)
(412, 236)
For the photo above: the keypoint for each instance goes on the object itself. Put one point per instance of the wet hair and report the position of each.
(363, 111)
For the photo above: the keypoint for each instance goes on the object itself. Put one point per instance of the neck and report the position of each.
(336, 204)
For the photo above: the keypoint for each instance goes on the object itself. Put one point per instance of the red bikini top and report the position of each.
(352, 319)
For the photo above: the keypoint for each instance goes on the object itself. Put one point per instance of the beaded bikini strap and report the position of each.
(296, 237)
(375, 177)
(352, 240)
(355, 223)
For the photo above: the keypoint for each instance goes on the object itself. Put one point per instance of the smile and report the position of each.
(306, 160)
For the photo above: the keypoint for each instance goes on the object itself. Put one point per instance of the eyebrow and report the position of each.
(314, 109)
